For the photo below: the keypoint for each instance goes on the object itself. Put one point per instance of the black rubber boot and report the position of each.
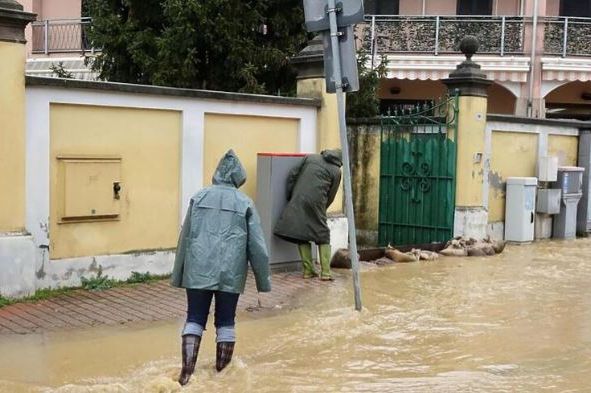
(190, 350)
(223, 355)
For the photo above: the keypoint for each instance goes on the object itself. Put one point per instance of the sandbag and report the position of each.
(454, 252)
(476, 251)
(398, 256)
(462, 246)
(383, 261)
(499, 246)
(341, 259)
(428, 255)
(489, 250)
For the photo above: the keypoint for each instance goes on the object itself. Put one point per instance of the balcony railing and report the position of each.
(499, 35)
(567, 36)
(61, 36)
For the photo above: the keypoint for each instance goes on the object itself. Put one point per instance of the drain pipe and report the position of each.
(530, 102)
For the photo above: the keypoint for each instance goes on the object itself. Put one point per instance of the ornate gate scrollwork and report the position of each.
(415, 177)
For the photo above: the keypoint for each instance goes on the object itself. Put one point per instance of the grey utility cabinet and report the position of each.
(549, 201)
(570, 181)
(272, 171)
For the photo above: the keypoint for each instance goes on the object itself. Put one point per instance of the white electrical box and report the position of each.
(548, 169)
(520, 209)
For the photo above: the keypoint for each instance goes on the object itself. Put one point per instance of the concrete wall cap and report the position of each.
(530, 120)
(168, 91)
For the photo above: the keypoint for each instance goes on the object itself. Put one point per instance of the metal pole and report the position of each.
(81, 36)
(437, 19)
(334, 36)
(373, 42)
(532, 67)
(565, 37)
(503, 36)
(46, 33)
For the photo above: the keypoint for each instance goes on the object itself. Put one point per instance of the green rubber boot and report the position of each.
(325, 254)
(307, 263)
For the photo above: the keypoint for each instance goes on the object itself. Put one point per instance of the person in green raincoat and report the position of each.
(220, 235)
(311, 188)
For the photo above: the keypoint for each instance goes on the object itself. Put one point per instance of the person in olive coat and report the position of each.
(220, 235)
(311, 188)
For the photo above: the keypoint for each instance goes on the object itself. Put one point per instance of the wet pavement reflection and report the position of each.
(515, 322)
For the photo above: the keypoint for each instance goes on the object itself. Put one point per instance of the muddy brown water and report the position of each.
(518, 322)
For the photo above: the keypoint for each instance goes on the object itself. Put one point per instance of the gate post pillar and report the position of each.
(17, 250)
(470, 83)
(309, 64)
(311, 84)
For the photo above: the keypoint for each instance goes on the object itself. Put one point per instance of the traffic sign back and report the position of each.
(317, 17)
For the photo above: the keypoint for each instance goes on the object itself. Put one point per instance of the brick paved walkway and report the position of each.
(156, 301)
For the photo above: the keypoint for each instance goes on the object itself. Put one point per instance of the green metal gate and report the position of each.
(417, 174)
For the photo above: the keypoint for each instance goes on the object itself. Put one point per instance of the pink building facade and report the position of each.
(58, 30)
(57, 38)
(538, 52)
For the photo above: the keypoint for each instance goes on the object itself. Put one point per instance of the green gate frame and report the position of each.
(418, 174)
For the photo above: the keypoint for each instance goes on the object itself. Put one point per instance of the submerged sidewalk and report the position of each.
(156, 301)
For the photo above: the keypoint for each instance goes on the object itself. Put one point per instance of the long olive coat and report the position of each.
(221, 234)
(311, 188)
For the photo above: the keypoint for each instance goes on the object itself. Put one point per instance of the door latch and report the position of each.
(116, 190)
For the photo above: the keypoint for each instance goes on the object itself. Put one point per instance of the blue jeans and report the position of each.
(199, 302)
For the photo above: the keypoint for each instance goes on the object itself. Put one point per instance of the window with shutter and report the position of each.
(474, 7)
(581, 8)
(382, 7)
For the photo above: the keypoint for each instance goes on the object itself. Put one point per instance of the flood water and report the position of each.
(518, 322)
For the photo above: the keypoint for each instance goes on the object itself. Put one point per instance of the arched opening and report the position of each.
(404, 93)
(501, 100)
(569, 101)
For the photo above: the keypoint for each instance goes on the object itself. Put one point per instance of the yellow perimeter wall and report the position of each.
(365, 159)
(328, 126)
(513, 155)
(12, 137)
(565, 148)
(247, 135)
(148, 142)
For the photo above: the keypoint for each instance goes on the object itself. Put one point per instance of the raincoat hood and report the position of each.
(229, 171)
(221, 234)
(333, 156)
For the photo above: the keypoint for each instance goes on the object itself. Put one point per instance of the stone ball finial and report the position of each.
(11, 5)
(469, 46)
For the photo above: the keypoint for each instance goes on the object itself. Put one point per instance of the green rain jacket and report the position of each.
(311, 188)
(220, 234)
